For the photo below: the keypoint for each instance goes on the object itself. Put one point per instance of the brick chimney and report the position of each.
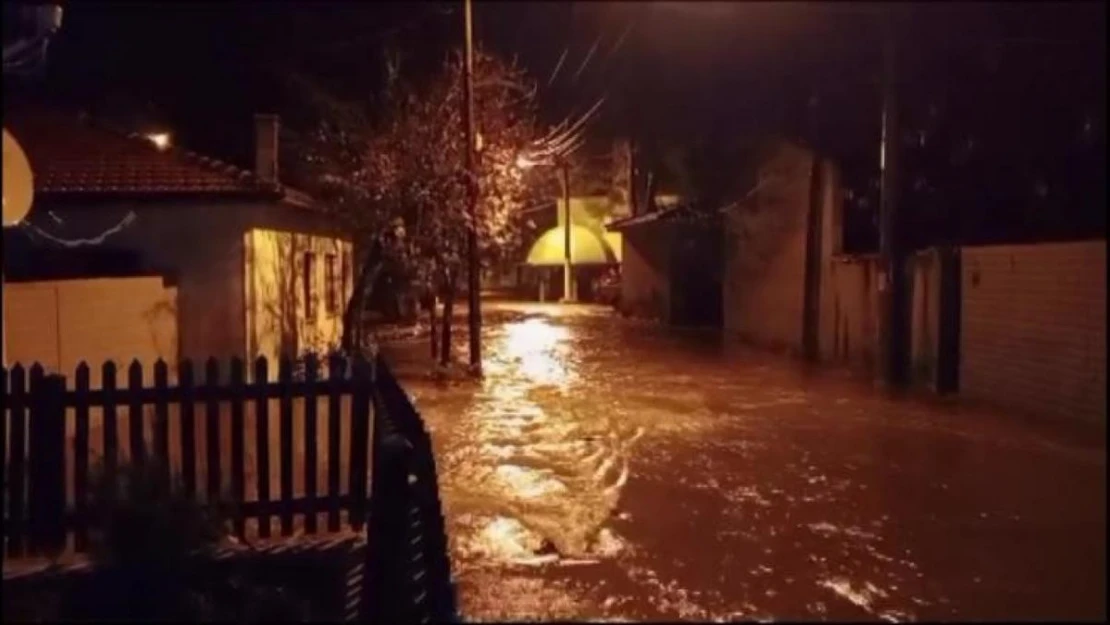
(266, 147)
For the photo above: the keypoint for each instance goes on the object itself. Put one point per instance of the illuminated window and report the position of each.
(309, 268)
(331, 284)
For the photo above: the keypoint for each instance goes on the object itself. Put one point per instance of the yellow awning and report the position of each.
(586, 248)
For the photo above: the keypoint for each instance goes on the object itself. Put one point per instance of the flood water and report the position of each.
(610, 470)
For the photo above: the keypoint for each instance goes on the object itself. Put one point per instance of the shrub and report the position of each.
(153, 547)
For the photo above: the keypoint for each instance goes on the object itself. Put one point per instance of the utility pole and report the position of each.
(474, 310)
(893, 287)
(568, 266)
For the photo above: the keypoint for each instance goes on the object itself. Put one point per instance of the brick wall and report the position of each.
(1033, 328)
(61, 323)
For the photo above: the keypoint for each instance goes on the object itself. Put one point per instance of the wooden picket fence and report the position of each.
(214, 437)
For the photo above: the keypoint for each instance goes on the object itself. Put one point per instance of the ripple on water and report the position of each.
(863, 595)
(528, 483)
(507, 540)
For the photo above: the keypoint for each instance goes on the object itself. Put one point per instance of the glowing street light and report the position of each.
(524, 164)
(161, 140)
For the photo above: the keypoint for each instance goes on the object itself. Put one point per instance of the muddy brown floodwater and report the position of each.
(607, 470)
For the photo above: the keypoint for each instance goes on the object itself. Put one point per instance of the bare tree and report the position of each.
(397, 182)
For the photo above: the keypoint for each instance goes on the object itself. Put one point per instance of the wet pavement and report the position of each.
(610, 470)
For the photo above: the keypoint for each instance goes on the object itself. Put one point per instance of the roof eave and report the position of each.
(107, 197)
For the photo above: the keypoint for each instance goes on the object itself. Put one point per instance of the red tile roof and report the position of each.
(70, 156)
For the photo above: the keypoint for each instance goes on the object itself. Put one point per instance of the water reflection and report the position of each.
(535, 349)
(757, 493)
(540, 471)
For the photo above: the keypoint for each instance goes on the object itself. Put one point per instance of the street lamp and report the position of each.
(474, 310)
(161, 140)
(525, 163)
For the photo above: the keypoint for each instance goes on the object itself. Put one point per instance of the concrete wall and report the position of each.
(1033, 328)
(645, 272)
(279, 319)
(925, 316)
(849, 317)
(765, 252)
(62, 323)
(849, 322)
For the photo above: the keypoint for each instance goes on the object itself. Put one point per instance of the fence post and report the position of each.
(386, 592)
(47, 500)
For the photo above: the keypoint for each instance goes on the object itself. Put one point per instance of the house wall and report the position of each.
(645, 272)
(764, 286)
(62, 323)
(765, 252)
(199, 246)
(203, 246)
(1033, 328)
(279, 318)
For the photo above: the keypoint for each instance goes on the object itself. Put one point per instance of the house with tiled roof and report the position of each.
(253, 268)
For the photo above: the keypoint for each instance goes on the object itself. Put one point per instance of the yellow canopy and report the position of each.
(586, 248)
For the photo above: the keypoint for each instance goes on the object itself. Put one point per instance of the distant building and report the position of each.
(593, 248)
(247, 266)
(671, 269)
(1021, 326)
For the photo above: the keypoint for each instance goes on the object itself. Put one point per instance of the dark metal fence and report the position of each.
(411, 548)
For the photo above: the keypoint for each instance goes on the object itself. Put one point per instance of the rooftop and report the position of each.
(72, 156)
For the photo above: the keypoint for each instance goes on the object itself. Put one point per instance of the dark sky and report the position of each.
(681, 71)
(208, 64)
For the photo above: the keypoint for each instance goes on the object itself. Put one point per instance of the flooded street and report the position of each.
(610, 470)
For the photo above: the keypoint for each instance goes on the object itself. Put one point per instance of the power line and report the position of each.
(381, 34)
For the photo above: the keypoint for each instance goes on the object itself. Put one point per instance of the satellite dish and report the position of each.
(19, 187)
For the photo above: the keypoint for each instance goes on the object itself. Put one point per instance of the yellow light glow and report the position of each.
(161, 140)
(539, 348)
(524, 163)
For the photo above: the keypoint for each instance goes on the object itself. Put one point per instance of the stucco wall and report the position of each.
(765, 253)
(62, 323)
(279, 320)
(1033, 328)
(200, 248)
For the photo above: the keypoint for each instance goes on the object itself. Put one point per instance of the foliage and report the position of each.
(139, 519)
(397, 181)
(151, 543)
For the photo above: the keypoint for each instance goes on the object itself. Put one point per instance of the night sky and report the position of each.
(1023, 78)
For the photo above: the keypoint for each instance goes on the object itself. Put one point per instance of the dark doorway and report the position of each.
(696, 277)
